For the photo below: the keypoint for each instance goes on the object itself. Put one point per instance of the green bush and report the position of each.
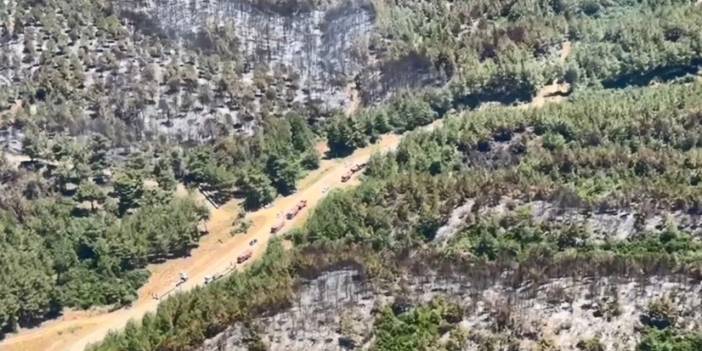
(670, 340)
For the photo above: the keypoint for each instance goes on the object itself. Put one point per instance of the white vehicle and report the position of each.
(208, 279)
(183, 276)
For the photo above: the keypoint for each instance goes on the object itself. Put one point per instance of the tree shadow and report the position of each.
(662, 74)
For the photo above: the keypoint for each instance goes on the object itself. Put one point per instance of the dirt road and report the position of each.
(215, 255)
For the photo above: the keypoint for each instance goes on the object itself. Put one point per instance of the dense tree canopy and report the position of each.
(602, 151)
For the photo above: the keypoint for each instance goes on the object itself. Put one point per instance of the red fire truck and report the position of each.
(357, 167)
(295, 210)
(244, 257)
(276, 228)
(345, 178)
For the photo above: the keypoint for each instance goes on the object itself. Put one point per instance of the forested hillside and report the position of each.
(609, 176)
(105, 114)
(78, 229)
(503, 50)
(506, 51)
(601, 152)
(88, 243)
(546, 187)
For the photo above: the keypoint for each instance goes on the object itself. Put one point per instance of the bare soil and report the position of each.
(354, 99)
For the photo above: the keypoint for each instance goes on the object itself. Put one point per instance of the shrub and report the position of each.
(660, 314)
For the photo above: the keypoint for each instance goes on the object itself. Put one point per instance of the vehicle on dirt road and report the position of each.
(183, 277)
(357, 167)
(346, 177)
(244, 257)
(295, 210)
(276, 228)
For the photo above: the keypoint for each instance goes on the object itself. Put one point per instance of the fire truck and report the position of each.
(276, 228)
(295, 210)
(244, 257)
(357, 167)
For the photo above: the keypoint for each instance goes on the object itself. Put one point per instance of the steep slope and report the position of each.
(215, 255)
(564, 313)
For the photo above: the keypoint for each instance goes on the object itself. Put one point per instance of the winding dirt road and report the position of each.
(217, 251)
(215, 255)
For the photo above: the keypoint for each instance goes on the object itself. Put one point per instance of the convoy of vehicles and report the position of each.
(279, 226)
(246, 255)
